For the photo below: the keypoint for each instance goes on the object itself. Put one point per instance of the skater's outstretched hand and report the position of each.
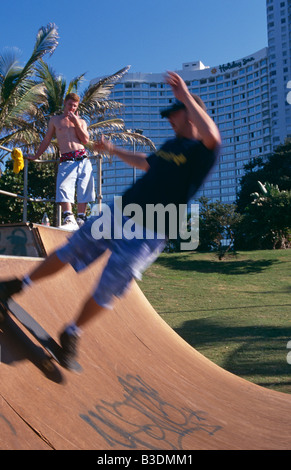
(135, 159)
(103, 145)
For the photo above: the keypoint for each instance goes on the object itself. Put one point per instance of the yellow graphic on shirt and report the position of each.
(170, 156)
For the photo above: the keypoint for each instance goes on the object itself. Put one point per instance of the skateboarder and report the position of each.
(172, 175)
(75, 169)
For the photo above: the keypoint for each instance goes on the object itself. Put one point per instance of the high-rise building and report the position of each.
(246, 97)
(279, 58)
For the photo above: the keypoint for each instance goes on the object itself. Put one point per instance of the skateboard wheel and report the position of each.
(47, 365)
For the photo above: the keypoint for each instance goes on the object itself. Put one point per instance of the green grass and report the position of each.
(236, 312)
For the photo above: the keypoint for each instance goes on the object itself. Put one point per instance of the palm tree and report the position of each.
(20, 94)
(30, 95)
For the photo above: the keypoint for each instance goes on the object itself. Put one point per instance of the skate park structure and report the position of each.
(143, 387)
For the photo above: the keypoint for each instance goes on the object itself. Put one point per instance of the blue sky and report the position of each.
(99, 38)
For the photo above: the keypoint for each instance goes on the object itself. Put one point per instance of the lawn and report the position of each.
(236, 312)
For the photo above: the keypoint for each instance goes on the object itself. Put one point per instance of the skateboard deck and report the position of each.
(37, 331)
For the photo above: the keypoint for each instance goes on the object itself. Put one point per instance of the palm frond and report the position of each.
(74, 84)
(116, 122)
(55, 87)
(22, 137)
(9, 73)
(8, 63)
(102, 89)
(44, 72)
(28, 100)
(93, 109)
(126, 137)
(46, 42)
(134, 137)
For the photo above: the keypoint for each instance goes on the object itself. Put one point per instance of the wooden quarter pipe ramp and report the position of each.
(142, 387)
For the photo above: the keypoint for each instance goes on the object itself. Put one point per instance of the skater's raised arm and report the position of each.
(207, 130)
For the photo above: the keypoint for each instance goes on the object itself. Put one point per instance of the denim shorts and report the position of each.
(72, 176)
(129, 258)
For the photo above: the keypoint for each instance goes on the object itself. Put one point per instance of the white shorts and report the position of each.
(75, 176)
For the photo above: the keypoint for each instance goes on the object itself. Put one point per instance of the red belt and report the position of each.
(77, 155)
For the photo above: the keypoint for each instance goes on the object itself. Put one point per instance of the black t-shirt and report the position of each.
(176, 172)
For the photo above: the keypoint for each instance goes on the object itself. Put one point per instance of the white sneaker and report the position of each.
(70, 223)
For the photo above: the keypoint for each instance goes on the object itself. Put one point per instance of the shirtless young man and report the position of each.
(75, 168)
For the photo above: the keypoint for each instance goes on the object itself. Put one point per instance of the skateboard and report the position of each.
(10, 307)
